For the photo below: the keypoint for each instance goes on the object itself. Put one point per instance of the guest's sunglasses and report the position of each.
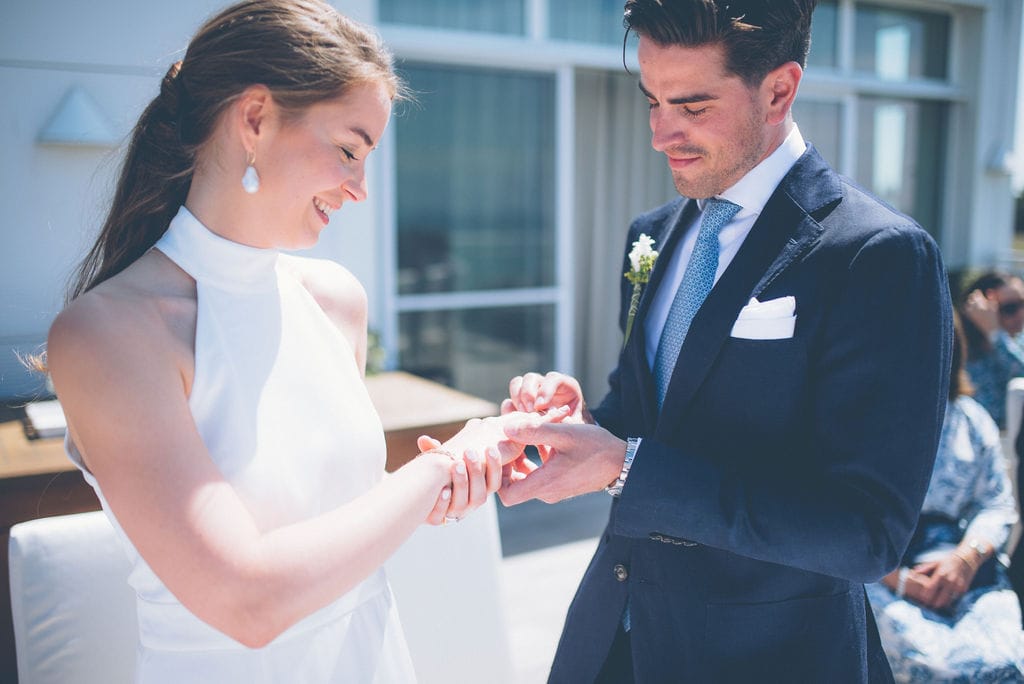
(1011, 308)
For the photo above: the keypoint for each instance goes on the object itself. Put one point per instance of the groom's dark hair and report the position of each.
(758, 35)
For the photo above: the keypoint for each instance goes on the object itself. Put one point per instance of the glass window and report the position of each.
(476, 181)
(897, 45)
(590, 21)
(901, 156)
(819, 124)
(823, 35)
(478, 350)
(475, 176)
(492, 16)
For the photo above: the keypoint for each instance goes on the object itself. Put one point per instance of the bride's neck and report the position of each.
(222, 205)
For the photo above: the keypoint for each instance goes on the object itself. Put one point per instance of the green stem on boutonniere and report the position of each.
(634, 304)
(641, 261)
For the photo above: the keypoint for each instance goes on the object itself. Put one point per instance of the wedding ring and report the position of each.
(450, 519)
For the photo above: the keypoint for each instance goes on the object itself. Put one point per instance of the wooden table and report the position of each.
(37, 479)
(410, 406)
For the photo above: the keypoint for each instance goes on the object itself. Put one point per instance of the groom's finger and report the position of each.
(515, 491)
(529, 390)
(554, 384)
(508, 450)
(534, 430)
(514, 387)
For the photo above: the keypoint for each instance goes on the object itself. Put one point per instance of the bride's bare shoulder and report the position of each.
(148, 305)
(338, 292)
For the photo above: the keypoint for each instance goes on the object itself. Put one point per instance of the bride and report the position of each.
(213, 386)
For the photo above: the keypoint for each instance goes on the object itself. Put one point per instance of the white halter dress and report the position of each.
(280, 404)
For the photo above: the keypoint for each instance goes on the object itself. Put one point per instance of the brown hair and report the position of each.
(758, 35)
(303, 51)
(978, 345)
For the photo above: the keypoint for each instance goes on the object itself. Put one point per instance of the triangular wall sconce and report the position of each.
(78, 121)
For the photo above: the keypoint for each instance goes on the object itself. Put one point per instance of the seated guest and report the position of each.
(1017, 559)
(993, 317)
(948, 612)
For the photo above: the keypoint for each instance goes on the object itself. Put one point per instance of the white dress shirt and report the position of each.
(751, 193)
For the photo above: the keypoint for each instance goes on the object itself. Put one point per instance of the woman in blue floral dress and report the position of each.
(993, 319)
(948, 613)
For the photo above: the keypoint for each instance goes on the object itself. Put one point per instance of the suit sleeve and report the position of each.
(879, 371)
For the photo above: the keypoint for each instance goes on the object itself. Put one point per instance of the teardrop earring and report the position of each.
(251, 179)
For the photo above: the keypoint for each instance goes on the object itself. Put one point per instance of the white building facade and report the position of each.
(492, 240)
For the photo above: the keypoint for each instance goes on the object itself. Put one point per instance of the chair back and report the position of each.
(73, 611)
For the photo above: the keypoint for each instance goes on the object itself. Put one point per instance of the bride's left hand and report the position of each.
(473, 478)
(479, 434)
(478, 473)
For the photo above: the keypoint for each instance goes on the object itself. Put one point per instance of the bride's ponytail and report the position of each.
(153, 183)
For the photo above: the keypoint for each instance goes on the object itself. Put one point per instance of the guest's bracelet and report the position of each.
(901, 581)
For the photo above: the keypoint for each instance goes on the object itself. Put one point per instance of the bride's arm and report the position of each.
(123, 392)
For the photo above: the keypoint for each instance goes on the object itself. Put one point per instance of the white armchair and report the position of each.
(74, 614)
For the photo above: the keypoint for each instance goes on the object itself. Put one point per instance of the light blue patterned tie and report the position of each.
(698, 279)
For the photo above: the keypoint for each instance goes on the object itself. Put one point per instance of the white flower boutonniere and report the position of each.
(641, 261)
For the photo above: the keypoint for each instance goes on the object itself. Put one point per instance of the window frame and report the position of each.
(561, 292)
(847, 86)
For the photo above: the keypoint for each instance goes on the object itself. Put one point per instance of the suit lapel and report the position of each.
(782, 233)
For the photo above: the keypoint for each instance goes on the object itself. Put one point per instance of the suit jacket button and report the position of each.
(620, 572)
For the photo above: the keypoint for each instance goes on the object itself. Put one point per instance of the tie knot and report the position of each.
(717, 213)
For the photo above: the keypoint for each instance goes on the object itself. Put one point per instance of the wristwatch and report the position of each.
(615, 488)
(979, 547)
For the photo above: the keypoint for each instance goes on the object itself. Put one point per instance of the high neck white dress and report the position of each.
(280, 404)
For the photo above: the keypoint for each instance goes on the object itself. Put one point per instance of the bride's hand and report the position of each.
(479, 434)
(472, 479)
(476, 470)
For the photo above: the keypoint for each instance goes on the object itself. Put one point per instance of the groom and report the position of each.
(767, 457)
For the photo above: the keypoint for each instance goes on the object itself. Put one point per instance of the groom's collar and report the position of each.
(752, 191)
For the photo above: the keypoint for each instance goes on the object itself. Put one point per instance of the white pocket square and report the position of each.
(771, 320)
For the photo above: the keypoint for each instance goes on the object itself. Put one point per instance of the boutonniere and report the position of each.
(641, 262)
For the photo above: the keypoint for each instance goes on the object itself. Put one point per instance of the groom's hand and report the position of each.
(535, 392)
(582, 458)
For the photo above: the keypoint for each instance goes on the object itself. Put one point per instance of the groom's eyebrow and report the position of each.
(684, 99)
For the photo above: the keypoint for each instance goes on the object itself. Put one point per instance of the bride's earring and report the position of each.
(251, 179)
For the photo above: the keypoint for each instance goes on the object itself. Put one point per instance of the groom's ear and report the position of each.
(778, 91)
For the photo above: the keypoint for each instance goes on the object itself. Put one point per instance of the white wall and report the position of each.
(991, 202)
(53, 198)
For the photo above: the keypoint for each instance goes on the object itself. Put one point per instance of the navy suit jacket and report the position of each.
(780, 475)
